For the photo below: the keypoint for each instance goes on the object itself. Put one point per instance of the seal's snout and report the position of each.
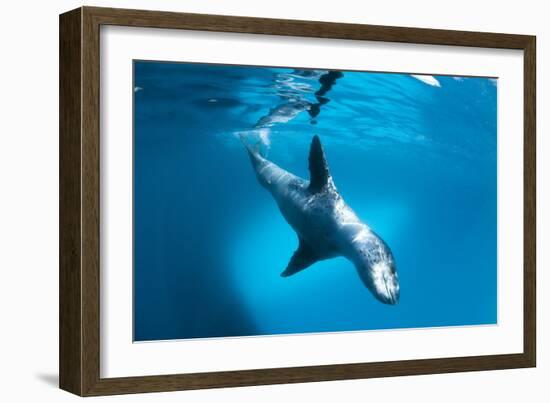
(391, 294)
(385, 283)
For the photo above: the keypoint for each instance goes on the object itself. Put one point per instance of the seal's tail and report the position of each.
(254, 151)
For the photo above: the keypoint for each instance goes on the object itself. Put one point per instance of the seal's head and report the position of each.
(376, 267)
(383, 282)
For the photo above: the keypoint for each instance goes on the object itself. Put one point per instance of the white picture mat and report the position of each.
(121, 357)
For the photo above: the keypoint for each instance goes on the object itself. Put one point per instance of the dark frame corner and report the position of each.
(79, 360)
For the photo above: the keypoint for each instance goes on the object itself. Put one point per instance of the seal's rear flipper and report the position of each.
(302, 258)
(254, 151)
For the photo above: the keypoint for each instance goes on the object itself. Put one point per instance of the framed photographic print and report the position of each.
(249, 201)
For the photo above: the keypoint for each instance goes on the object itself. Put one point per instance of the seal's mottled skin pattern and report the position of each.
(329, 226)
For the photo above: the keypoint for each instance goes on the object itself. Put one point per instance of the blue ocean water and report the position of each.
(414, 156)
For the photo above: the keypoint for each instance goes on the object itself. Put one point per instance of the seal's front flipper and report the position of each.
(303, 257)
(318, 167)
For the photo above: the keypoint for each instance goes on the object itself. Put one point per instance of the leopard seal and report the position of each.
(326, 226)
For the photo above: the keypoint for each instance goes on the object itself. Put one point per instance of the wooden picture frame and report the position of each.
(80, 187)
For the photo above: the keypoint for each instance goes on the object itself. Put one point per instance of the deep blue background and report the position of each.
(416, 162)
